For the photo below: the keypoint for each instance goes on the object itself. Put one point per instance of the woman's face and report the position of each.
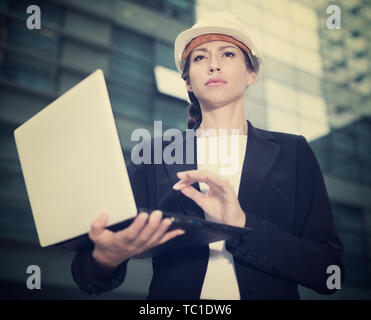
(218, 60)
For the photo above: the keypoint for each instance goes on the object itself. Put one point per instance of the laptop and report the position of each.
(74, 169)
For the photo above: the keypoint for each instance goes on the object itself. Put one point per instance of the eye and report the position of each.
(229, 54)
(196, 58)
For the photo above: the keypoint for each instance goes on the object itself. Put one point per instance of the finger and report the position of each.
(161, 230)
(133, 230)
(150, 228)
(189, 181)
(181, 184)
(205, 176)
(213, 188)
(194, 194)
(199, 174)
(98, 225)
(171, 235)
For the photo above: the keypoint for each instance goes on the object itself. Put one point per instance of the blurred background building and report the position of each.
(316, 83)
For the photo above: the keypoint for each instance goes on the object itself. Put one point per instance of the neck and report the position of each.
(228, 117)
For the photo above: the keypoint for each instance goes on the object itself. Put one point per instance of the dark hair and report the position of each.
(194, 108)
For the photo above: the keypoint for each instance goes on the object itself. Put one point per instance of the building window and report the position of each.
(30, 55)
(177, 9)
(131, 73)
(355, 237)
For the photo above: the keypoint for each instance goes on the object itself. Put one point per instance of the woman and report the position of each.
(277, 189)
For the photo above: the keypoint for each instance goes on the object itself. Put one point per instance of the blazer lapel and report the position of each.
(261, 152)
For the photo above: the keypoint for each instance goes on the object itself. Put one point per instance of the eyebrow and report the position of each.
(220, 48)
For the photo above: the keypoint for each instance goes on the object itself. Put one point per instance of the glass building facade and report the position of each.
(316, 83)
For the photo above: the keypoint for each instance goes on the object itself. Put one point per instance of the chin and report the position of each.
(216, 101)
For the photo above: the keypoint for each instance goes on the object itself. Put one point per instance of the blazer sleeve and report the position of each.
(304, 255)
(86, 272)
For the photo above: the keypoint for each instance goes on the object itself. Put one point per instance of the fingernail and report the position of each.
(144, 214)
(169, 220)
(156, 213)
(178, 185)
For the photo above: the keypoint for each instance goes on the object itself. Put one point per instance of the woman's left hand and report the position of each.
(220, 202)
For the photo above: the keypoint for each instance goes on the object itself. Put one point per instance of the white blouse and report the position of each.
(223, 155)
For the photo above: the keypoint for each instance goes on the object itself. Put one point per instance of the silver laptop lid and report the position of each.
(73, 165)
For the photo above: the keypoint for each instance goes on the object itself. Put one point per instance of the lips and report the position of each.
(215, 82)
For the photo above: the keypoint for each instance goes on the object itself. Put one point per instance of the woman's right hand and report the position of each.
(146, 231)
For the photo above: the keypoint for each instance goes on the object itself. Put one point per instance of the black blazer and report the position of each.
(283, 195)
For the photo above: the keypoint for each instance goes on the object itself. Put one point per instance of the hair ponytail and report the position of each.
(194, 108)
(195, 114)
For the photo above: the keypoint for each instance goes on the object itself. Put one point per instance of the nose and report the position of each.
(214, 64)
(211, 69)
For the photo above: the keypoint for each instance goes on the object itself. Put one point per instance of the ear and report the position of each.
(250, 78)
(188, 85)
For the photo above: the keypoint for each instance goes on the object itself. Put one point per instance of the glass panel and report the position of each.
(277, 49)
(256, 90)
(353, 243)
(51, 14)
(365, 173)
(138, 74)
(305, 37)
(282, 7)
(312, 106)
(132, 45)
(364, 150)
(279, 71)
(304, 15)
(131, 60)
(87, 28)
(15, 220)
(357, 270)
(164, 55)
(206, 6)
(309, 82)
(362, 131)
(178, 9)
(131, 70)
(250, 14)
(129, 102)
(173, 112)
(351, 227)
(81, 57)
(278, 94)
(255, 111)
(7, 143)
(343, 142)
(320, 149)
(343, 166)
(309, 61)
(277, 25)
(11, 180)
(279, 120)
(312, 129)
(29, 71)
(349, 217)
(46, 41)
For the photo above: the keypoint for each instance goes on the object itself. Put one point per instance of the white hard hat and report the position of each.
(224, 23)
